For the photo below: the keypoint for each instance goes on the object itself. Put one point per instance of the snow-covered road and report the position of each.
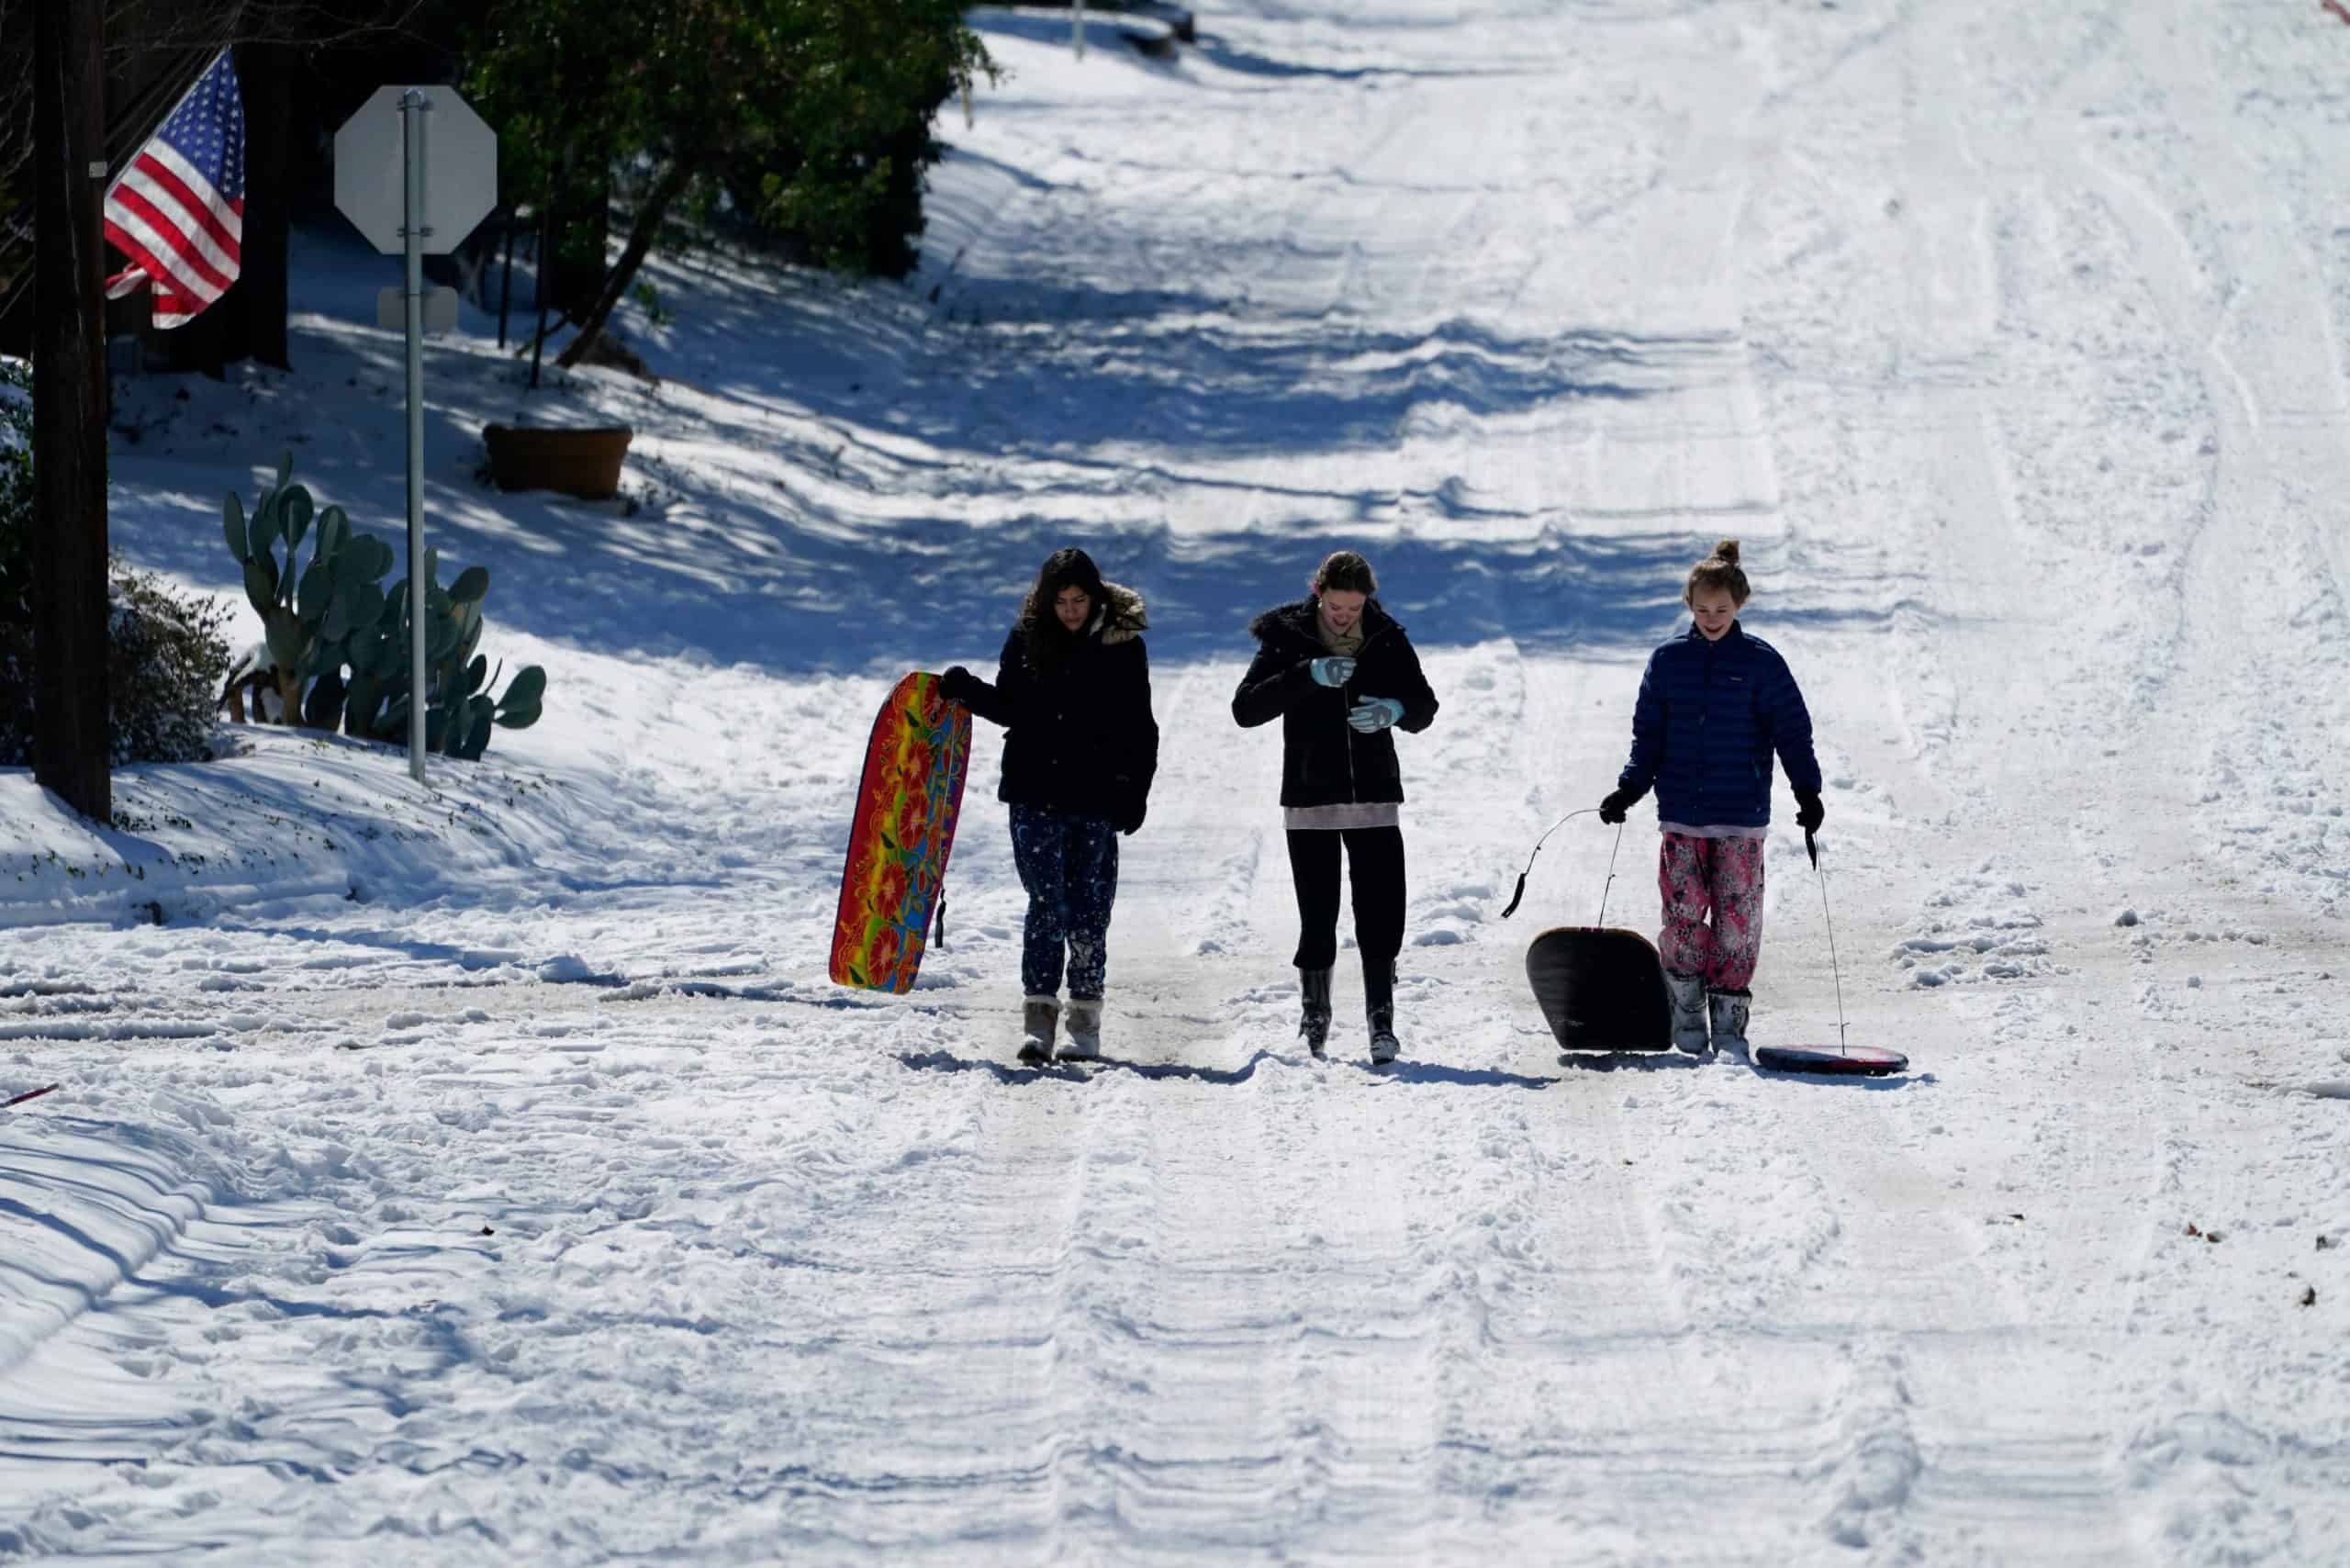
(488, 1175)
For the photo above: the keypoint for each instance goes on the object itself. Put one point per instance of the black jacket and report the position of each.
(1081, 737)
(1323, 761)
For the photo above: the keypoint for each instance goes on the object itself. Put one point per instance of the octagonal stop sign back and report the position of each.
(460, 170)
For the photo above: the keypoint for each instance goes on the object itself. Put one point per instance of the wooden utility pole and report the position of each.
(69, 535)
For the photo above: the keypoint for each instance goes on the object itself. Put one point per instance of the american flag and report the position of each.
(178, 212)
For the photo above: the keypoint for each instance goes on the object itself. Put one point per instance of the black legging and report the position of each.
(1375, 867)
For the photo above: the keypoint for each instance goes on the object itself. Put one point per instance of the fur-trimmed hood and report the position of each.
(1122, 617)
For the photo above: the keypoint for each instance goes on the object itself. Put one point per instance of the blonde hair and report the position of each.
(1717, 573)
(1345, 572)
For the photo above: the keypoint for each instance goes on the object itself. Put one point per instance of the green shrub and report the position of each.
(165, 656)
(16, 694)
(16, 490)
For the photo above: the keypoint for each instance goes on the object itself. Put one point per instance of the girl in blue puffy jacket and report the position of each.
(1714, 706)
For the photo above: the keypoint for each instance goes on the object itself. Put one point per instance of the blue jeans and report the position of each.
(1070, 866)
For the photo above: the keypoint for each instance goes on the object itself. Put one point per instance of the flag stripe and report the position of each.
(163, 190)
(169, 240)
(155, 259)
(154, 252)
(226, 218)
(168, 224)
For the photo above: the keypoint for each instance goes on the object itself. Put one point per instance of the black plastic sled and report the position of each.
(1601, 988)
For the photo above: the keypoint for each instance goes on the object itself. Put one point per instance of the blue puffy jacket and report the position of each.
(1710, 715)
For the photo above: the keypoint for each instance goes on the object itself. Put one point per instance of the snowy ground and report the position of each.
(485, 1174)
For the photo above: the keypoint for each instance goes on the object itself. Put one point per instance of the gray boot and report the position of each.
(1084, 1029)
(1688, 993)
(1729, 1009)
(1038, 1015)
(1314, 1008)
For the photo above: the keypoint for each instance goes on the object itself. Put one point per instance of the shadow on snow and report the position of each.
(1079, 1071)
(842, 479)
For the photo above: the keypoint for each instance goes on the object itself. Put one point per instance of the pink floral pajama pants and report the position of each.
(1719, 876)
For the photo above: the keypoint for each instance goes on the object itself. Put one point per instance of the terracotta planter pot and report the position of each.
(583, 463)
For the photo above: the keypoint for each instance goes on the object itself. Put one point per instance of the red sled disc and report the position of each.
(1861, 1061)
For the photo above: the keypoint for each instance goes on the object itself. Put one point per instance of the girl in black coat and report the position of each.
(1073, 690)
(1340, 674)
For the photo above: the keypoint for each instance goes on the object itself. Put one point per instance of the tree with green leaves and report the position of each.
(810, 111)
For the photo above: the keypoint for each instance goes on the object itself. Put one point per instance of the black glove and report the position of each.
(1809, 812)
(1618, 802)
(958, 685)
(1129, 818)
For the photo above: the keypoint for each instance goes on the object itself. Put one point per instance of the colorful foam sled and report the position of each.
(1601, 988)
(907, 804)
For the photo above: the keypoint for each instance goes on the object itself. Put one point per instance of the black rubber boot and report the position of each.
(1314, 1008)
(1379, 1004)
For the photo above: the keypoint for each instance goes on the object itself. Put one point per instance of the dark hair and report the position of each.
(1047, 640)
(1345, 572)
(1717, 573)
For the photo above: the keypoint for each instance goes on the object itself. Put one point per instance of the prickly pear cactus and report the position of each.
(459, 711)
(340, 642)
(310, 614)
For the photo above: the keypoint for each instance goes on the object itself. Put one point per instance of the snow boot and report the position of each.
(1688, 993)
(1314, 1008)
(1038, 1014)
(1729, 1009)
(1379, 1004)
(1084, 1023)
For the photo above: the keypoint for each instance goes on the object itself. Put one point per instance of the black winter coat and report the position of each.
(1081, 737)
(1324, 762)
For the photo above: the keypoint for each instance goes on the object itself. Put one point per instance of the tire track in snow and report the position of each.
(1234, 1408)
(2270, 361)
(1564, 1381)
(1826, 1278)
(87, 1204)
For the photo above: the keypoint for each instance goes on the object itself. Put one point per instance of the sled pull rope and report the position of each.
(1811, 847)
(1611, 876)
(1515, 897)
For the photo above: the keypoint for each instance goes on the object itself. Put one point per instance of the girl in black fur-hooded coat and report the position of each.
(1340, 674)
(1073, 690)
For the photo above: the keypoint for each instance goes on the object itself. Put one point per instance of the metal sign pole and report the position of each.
(1078, 28)
(414, 107)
